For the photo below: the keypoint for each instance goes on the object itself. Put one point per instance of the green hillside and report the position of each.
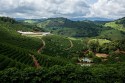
(60, 57)
(63, 46)
(117, 24)
(101, 41)
(16, 49)
(118, 32)
(112, 34)
(66, 27)
(80, 29)
(30, 21)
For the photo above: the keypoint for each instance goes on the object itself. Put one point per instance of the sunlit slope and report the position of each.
(117, 24)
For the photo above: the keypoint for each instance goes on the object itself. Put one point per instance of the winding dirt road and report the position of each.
(42, 46)
(37, 65)
(71, 45)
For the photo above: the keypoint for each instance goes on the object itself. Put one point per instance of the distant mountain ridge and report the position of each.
(73, 19)
(91, 19)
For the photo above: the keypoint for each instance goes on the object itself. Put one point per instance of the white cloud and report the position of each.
(108, 9)
(43, 8)
(62, 8)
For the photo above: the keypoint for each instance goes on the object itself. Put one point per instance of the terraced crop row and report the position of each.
(12, 37)
(49, 61)
(6, 62)
(79, 45)
(16, 54)
(20, 58)
(56, 46)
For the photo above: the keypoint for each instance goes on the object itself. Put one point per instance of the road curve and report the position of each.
(42, 46)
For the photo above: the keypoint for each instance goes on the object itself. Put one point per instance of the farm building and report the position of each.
(85, 60)
(33, 33)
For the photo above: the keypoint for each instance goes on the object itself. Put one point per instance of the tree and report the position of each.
(90, 54)
(97, 60)
(93, 45)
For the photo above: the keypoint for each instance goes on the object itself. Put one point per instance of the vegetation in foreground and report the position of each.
(66, 74)
(57, 56)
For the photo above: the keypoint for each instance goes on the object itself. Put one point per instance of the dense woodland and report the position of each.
(21, 61)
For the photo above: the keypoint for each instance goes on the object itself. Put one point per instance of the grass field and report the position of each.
(101, 41)
(30, 21)
(115, 26)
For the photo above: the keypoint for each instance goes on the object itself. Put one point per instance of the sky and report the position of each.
(62, 8)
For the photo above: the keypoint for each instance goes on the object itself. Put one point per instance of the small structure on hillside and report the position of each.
(34, 33)
(85, 60)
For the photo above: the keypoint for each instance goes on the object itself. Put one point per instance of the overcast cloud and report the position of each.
(62, 8)
(108, 9)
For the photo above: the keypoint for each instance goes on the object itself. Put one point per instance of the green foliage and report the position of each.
(112, 34)
(66, 74)
(121, 21)
(7, 19)
(61, 46)
(49, 61)
(118, 24)
(60, 54)
(119, 44)
(97, 60)
(66, 27)
(100, 41)
(15, 50)
(90, 54)
(11, 54)
(12, 37)
(115, 58)
(93, 45)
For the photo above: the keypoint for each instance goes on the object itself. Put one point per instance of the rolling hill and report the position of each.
(62, 26)
(31, 21)
(66, 27)
(117, 30)
(117, 24)
(55, 58)
(15, 49)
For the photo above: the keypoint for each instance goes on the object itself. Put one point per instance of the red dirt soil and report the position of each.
(37, 65)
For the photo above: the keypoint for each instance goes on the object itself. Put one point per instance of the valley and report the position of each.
(61, 50)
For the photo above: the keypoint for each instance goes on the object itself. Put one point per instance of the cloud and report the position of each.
(108, 9)
(62, 8)
(43, 8)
